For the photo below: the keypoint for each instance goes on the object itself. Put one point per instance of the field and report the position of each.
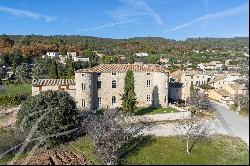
(171, 150)
(151, 111)
(154, 151)
(13, 95)
(14, 90)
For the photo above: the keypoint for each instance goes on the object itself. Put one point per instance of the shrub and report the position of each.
(50, 112)
(10, 100)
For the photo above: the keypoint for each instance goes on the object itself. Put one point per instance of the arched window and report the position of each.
(113, 84)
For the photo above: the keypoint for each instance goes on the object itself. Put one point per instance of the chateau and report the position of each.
(101, 86)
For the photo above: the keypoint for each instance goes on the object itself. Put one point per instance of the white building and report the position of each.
(142, 54)
(53, 54)
(80, 59)
(213, 65)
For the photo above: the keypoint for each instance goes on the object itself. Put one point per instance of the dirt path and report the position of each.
(57, 156)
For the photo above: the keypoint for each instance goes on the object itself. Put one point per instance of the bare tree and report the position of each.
(111, 131)
(194, 131)
(199, 100)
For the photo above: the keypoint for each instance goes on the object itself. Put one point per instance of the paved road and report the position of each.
(234, 124)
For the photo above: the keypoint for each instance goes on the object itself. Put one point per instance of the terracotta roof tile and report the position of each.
(51, 82)
(120, 68)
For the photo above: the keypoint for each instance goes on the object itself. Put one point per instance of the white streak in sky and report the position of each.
(229, 12)
(26, 13)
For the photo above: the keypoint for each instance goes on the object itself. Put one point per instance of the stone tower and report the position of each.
(84, 90)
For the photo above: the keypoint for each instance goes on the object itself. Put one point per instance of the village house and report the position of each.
(164, 60)
(221, 95)
(102, 86)
(141, 54)
(185, 79)
(213, 65)
(81, 59)
(223, 79)
(53, 84)
(53, 54)
(235, 89)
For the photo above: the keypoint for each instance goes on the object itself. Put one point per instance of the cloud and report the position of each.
(229, 12)
(25, 13)
(104, 26)
(135, 8)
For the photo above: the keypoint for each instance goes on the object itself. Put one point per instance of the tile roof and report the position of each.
(51, 82)
(217, 78)
(222, 92)
(238, 87)
(120, 68)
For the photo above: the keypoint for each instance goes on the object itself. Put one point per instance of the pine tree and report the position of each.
(129, 97)
(70, 68)
(53, 72)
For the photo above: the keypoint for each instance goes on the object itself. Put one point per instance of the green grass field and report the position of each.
(151, 111)
(14, 90)
(219, 150)
(171, 150)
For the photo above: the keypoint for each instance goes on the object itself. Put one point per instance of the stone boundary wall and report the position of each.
(160, 117)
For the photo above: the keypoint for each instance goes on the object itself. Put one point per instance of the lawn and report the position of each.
(151, 111)
(171, 150)
(13, 95)
(15, 90)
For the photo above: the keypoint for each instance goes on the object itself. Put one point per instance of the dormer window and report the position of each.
(113, 73)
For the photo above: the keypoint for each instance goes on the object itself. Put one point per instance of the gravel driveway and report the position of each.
(234, 124)
(227, 122)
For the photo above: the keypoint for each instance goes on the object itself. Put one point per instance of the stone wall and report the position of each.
(158, 90)
(84, 90)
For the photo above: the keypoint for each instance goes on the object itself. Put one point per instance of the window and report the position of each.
(83, 86)
(196, 83)
(148, 97)
(98, 74)
(148, 73)
(113, 84)
(165, 99)
(83, 75)
(113, 100)
(197, 76)
(99, 84)
(99, 102)
(191, 77)
(83, 103)
(148, 83)
(113, 73)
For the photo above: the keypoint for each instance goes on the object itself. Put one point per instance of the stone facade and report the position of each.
(102, 86)
(185, 79)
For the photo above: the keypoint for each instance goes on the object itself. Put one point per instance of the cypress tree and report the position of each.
(192, 89)
(53, 73)
(129, 97)
(70, 68)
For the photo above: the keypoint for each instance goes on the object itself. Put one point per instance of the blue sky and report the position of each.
(173, 19)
